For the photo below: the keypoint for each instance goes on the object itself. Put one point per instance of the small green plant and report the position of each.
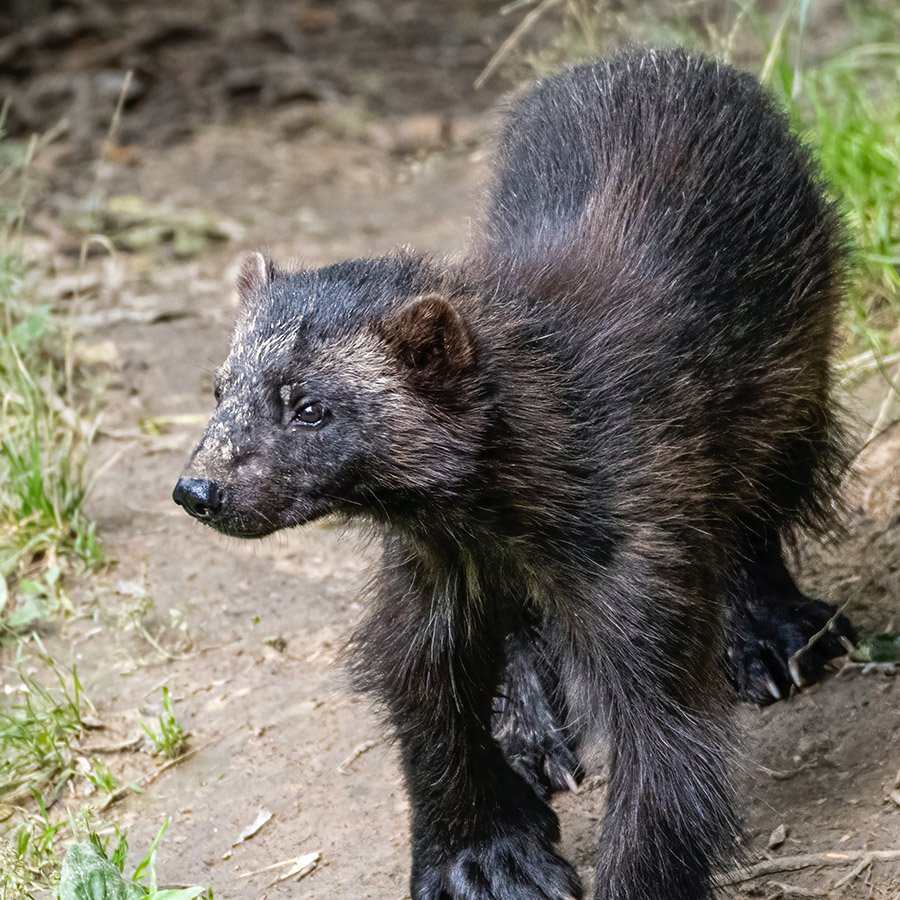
(28, 854)
(168, 737)
(94, 869)
(102, 777)
(37, 732)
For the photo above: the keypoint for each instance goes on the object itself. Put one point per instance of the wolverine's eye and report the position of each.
(301, 408)
(310, 412)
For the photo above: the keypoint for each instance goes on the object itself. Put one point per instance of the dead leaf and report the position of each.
(251, 830)
(297, 866)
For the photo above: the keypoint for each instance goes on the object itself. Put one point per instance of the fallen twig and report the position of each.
(124, 747)
(791, 890)
(793, 662)
(174, 762)
(780, 775)
(301, 866)
(304, 865)
(119, 793)
(855, 872)
(358, 751)
(804, 861)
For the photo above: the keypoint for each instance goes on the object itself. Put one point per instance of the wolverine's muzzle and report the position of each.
(199, 496)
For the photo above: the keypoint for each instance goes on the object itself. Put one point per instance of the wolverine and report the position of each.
(585, 448)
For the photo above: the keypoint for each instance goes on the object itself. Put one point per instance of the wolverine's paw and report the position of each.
(508, 867)
(768, 652)
(528, 723)
(546, 760)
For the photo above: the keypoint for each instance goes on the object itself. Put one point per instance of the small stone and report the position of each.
(777, 837)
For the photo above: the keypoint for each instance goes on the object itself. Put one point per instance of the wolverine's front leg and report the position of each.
(479, 831)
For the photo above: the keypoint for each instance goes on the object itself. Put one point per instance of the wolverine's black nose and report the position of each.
(201, 498)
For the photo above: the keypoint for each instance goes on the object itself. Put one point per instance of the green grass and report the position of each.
(40, 841)
(29, 855)
(38, 729)
(848, 108)
(89, 865)
(102, 778)
(45, 436)
(47, 424)
(94, 869)
(168, 736)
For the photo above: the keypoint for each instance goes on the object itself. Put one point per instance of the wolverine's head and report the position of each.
(348, 389)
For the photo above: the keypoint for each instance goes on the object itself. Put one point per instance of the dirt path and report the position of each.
(272, 723)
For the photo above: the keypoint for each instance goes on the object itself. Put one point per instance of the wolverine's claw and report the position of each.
(796, 674)
(780, 647)
(569, 779)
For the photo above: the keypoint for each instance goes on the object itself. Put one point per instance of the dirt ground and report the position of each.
(250, 632)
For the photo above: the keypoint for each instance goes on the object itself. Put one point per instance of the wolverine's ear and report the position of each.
(255, 273)
(429, 335)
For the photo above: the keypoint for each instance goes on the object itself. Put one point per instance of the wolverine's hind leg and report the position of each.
(779, 637)
(529, 717)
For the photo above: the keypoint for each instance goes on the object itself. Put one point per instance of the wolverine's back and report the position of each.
(660, 149)
(660, 203)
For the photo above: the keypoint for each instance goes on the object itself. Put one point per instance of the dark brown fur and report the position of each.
(583, 449)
